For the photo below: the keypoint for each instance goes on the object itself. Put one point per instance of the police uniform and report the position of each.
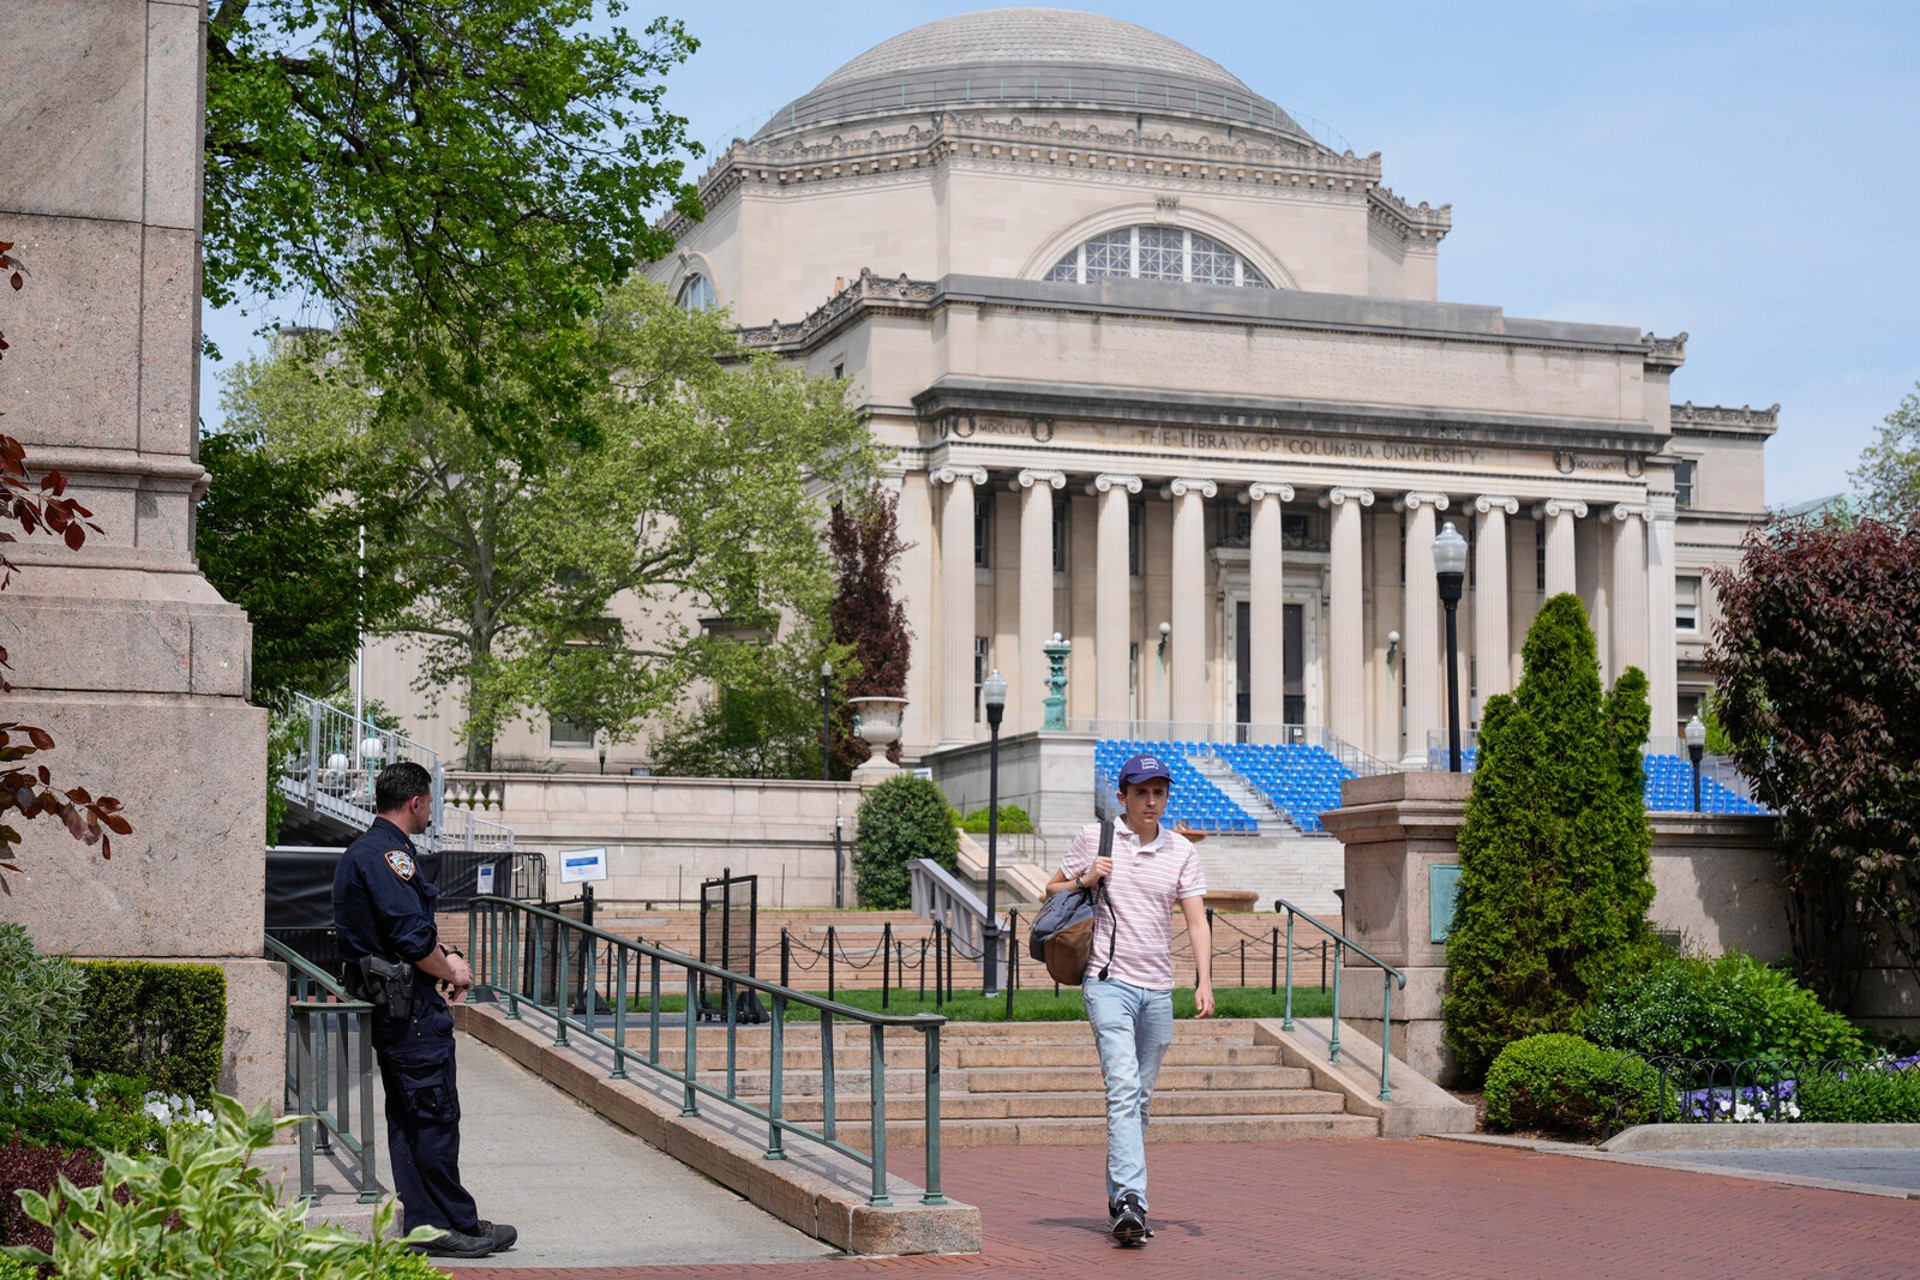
(383, 906)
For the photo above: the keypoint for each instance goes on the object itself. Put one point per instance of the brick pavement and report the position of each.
(1418, 1208)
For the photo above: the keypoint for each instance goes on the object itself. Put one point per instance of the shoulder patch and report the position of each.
(401, 862)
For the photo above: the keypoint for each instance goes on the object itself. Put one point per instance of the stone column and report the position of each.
(1491, 637)
(122, 650)
(1112, 598)
(1523, 591)
(1628, 599)
(1346, 666)
(1267, 612)
(919, 572)
(1189, 638)
(1663, 691)
(1421, 646)
(1560, 513)
(955, 661)
(1036, 490)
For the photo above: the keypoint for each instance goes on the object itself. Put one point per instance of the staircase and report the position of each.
(1235, 788)
(1038, 1084)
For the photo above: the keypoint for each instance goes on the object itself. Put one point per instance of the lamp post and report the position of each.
(1696, 747)
(994, 695)
(1450, 567)
(826, 721)
(600, 747)
(371, 749)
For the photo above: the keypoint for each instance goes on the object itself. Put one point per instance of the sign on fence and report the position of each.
(580, 866)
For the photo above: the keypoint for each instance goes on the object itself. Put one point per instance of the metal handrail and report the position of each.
(1388, 975)
(313, 996)
(501, 966)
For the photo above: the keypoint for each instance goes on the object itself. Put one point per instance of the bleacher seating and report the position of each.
(1299, 780)
(1193, 802)
(1669, 786)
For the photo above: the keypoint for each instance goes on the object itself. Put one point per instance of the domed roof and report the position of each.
(1032, 56)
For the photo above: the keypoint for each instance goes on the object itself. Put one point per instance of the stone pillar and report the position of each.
(955, 662)
(1112, 600)
(1266, 612)
(1346, 666)
(1560, 513)
(1491, 640)
(1421, 645)
(1628, 599)
(1389, 625)
(1189, 638)
(122, 650)
(1663, 692)
(919, 571)
(1523, 591)
(1036, 490)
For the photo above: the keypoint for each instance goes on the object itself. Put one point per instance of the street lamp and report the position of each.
(994, 695)
(1696, 747)
(826, 721)
(1450, 567)
(600, 746)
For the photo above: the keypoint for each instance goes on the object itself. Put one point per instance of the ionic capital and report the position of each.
(1416, 500)
(1029, 477)
(1486, 503)
(1629, 510)
(1340, 497)
(954, 473)
(1260, 490)
(1103, 482)
(1560, 506)
(1180, 488)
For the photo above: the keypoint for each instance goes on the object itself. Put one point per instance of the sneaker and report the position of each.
(457, 1244)
(1113, 1212)
(500, 1233)
(1129, 1227)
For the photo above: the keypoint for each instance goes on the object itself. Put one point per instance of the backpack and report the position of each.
(1062, 936)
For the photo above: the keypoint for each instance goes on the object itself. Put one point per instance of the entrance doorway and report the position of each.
(1293, 663)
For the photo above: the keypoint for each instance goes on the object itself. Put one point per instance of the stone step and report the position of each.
(1083, 1054)
(1052, 1080)
(905, 1053)
(1087, 1103)
(1055, 1132)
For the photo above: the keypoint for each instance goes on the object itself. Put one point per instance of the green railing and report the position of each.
(529, 955)
(325, 1028)
(1388, 977)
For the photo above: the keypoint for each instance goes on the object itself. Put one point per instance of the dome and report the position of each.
(1054, 57)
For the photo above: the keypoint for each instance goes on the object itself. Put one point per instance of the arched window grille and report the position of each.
(696, 293)
(1158, 253)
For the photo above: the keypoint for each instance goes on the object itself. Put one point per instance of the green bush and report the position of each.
(166, 1022)
(13, 1270)
(105, 1112)
(904, 818)
(1013, 821)
(1885, 1093)
(1662, 1011)
(1564, 1084)
(1729, 1007)
(1554, 847)
(40, 1003)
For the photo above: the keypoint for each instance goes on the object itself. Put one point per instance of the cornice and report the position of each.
(1666, 353)
(1721, 420)
(1413, 226)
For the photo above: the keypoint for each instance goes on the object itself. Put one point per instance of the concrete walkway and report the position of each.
(587, 1194)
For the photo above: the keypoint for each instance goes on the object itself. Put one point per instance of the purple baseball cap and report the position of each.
(1141, 768)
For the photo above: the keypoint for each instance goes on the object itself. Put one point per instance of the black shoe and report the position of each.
(500, 1233)
(1129, 1227)
(457, 1244)
(1113, 1212)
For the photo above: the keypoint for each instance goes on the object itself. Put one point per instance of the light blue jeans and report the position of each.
(1132, 1028)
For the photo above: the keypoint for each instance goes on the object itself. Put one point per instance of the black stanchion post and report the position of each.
(786, 956)
(1276, 960)
(830, 950)
(886, 962)
(1013, 960)
(923, 970)
(1323, 960)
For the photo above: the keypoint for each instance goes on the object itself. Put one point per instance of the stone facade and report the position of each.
(122, 650)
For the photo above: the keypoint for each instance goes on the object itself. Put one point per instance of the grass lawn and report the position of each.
(1045, 1006)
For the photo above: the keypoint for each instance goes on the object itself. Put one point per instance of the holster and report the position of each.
(389, 986)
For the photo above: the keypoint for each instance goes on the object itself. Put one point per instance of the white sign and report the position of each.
(483, 880)
(578, 865)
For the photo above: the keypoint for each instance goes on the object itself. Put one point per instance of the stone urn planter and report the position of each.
(879, 729)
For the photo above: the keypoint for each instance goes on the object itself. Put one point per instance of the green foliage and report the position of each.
(1564, 1084)
(867, 618)
(40, 1003)
(1882, 1093)
(763, 722)
(904, 818)
(1013, 821)
(1817, 664)
(165, 1022)
(196, 1210)
(464, 181)
(1888, 477)
(1554, 849)
(1729, 1007)
(11, 1269)
(106, 1112)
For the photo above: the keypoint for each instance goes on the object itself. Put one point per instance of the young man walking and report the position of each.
(1129, 980)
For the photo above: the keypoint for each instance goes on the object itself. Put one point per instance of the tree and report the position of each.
(1817, 666)
(459, 183)
(762, 721)
(868, 619)
(1554, 849)
(1888, 476)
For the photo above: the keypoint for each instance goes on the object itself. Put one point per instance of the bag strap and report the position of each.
(1113, 934)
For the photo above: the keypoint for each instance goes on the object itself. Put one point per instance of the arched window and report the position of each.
(1158, 253)
(696, 293)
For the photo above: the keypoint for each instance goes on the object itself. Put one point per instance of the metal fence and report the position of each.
(329, 1064)
(1656, 1089)
(1179, 732)
(729, 930)
(513, 946)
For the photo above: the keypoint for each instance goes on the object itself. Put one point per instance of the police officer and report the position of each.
(383, 910)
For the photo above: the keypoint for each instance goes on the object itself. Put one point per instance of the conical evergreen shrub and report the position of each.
(1554, 862)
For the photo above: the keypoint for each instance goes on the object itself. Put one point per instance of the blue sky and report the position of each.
(1745, 172)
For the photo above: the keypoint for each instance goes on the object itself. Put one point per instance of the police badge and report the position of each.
(401, 862)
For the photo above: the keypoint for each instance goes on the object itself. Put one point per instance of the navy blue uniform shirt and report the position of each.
(382, 903)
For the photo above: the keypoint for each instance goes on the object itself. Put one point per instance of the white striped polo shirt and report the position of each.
(1147, 880)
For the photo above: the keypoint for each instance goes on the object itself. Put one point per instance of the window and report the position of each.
(979, 673)
(983, 529)
(1158, 253)
(1136, 535)
(1295, 530)
(1062, 522)
(1686, 602)
(564, 733)
(1683, 483)
(696, 294)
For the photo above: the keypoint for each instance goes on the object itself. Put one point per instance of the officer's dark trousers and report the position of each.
(423, 1121)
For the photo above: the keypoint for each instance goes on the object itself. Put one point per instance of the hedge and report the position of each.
(1564, 1084)
(165, 1022)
